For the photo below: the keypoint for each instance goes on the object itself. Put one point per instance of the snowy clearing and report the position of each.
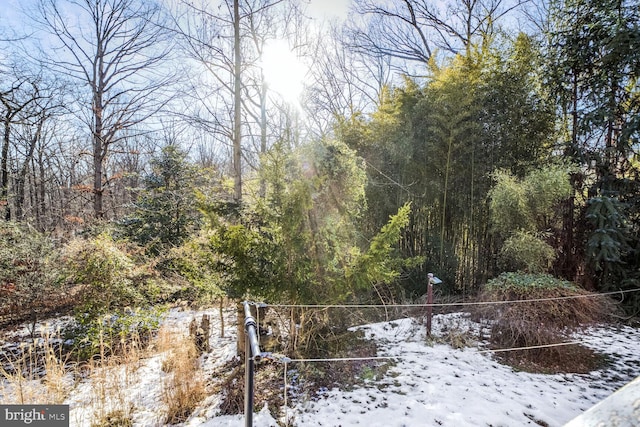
(427, 384)
(439, 386)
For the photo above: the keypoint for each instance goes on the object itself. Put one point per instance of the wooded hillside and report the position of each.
(148, 156)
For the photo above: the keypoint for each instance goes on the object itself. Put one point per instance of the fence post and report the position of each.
(248, 384)
(240, 346)
(432, 280)
(251, 355)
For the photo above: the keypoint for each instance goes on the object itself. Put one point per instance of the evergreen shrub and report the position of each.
(109, 313)
(526, 252)
(28, 273)
(113, 333)
(192, 267)
(103, 272)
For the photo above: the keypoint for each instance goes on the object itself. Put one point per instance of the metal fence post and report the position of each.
(251, 355)
(432, 280)
(248, 384)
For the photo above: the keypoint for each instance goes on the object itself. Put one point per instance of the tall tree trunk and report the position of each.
(98, 208)
(4, 169)
(263, 130)
(444, 201)
(98, 136)
(568, 262)
(33, 196)
(611, 144)
(237, 116)
(41, 191)
(21, 181)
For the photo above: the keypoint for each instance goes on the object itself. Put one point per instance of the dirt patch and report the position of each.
(575, 359)
(303, 378)
(268, 385)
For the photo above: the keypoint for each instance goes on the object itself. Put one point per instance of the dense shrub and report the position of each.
(113, 333)
(102, 271)
(28, 273)
(524, 210)
(526, 252)
(528, 204)
(613, 245)
(113, 292)
(193, 266)
(509, 205)
(554, 308)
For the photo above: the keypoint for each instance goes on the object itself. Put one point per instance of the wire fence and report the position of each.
(286, 361)
(448, 304)
(263, 305)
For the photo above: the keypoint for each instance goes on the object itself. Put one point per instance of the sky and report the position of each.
(317, 8)
(9, 12)
(329, 8)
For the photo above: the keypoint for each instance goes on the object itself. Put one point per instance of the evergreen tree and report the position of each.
(594, 51)
(165, 213)
(301, 242)
(594, 68)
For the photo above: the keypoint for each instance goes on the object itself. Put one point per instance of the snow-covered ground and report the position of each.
(435, 385)
(428, 384)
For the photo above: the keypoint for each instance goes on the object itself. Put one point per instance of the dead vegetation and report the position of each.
(183, 388)
(303, 334)
(550, 312)
(41, 371)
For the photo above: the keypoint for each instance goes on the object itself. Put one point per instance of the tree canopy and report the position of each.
(428, 138)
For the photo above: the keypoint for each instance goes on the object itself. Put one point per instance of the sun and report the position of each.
(284, 72)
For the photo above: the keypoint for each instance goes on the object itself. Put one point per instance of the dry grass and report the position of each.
(558, 309)
(183, 388)
(116, 418)
(110, 376)
(541, 322)
(456, 336)
(38, 373)
(165, 340)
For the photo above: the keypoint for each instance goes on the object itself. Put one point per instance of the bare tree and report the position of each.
(211, 38)
(230, 91)
(43, 191)
(32, 135)
(114, 50)
(18, 98)
(412, 30)
(345, 82)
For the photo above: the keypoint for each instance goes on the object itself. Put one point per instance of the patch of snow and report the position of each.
(142, 388)
(435, 385)
(428, 383)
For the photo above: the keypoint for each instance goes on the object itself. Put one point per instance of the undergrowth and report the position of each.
(115, 418)
(44, 371)
(36, 372)
(318, 334)
(110, 334)
(553, 310)
(183, 387)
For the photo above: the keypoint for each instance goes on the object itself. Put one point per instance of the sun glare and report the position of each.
(283, 71)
